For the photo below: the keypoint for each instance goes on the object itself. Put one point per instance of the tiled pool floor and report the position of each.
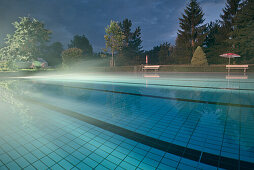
(39, 135)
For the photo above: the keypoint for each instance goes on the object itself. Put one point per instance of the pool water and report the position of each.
(127, 121)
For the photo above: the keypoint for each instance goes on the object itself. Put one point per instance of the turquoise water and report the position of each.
(128, 121)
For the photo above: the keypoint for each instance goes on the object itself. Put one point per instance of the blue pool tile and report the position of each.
(123, 150)
(56, 167)
(128, 166)
(65, 164)
(82, 165)
(68, 149)
(127, 146)
(37, 144)
(132, 161)
(118, 154)
(3, 167)
(106, 163)
(61, 152)
(22, 162)
(30, 167)
(90, 147)
(13, 165)
(39, 165)
(110, 144)
(92, 163)
(96, 157)
(7, 147)
(184, 166)
(140, 151)
(142, 146)
(54, 156)
(172, 157)
(101, 153)
(79, 141)
(101, 167)
(165, 167)
(206, 167)
(30, 158)
(85, 151)
(13, 154)
(189, 162)
(47, 161)
(21, 150)
(99, 139)
(39, 154)
(169, 162)
(78, 155)
(151, 162)
(136, 155)
(106, 148)
(120, 168)
(73, 160)
(95, 143)
(143, 165)
(114, 159)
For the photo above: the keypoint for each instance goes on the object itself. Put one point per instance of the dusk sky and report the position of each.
(158, 19)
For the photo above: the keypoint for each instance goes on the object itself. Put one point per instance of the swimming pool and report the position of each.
(127, 121)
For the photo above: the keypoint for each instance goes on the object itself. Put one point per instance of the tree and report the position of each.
(71, 56)
(165, 53)
(27, 42)
(132, 48)
(199, 57)
(191, 33)
(229, 13)
(114, 39)
(153, 55)
(243, 32)
(228, 18)
(212, 46)
(135, 43)
(219, 33)
(82, 43)
(53, 53)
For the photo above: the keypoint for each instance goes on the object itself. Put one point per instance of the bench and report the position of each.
(237, 67)
(236, 77)
(151, 67)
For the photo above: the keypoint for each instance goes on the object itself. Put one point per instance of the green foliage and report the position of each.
(71, 56)
(164, 54)
(243, 32)
(161, 54)
(153, 55)
(132, 49)
(199, 58)
(192, 32)
(82, 43)
(53, 54)
(229, 13)
(114, 39)
(36, 64)
(213, 43)
(27, 41)
(218, 39)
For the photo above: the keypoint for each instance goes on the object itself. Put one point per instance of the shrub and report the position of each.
(71, 56)
(199, 57)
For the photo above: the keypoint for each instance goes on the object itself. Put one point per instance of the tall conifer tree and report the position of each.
(132, 44)
(191, 33)
(243, 32)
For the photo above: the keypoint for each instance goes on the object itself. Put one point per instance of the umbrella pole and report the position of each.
(229, 60)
